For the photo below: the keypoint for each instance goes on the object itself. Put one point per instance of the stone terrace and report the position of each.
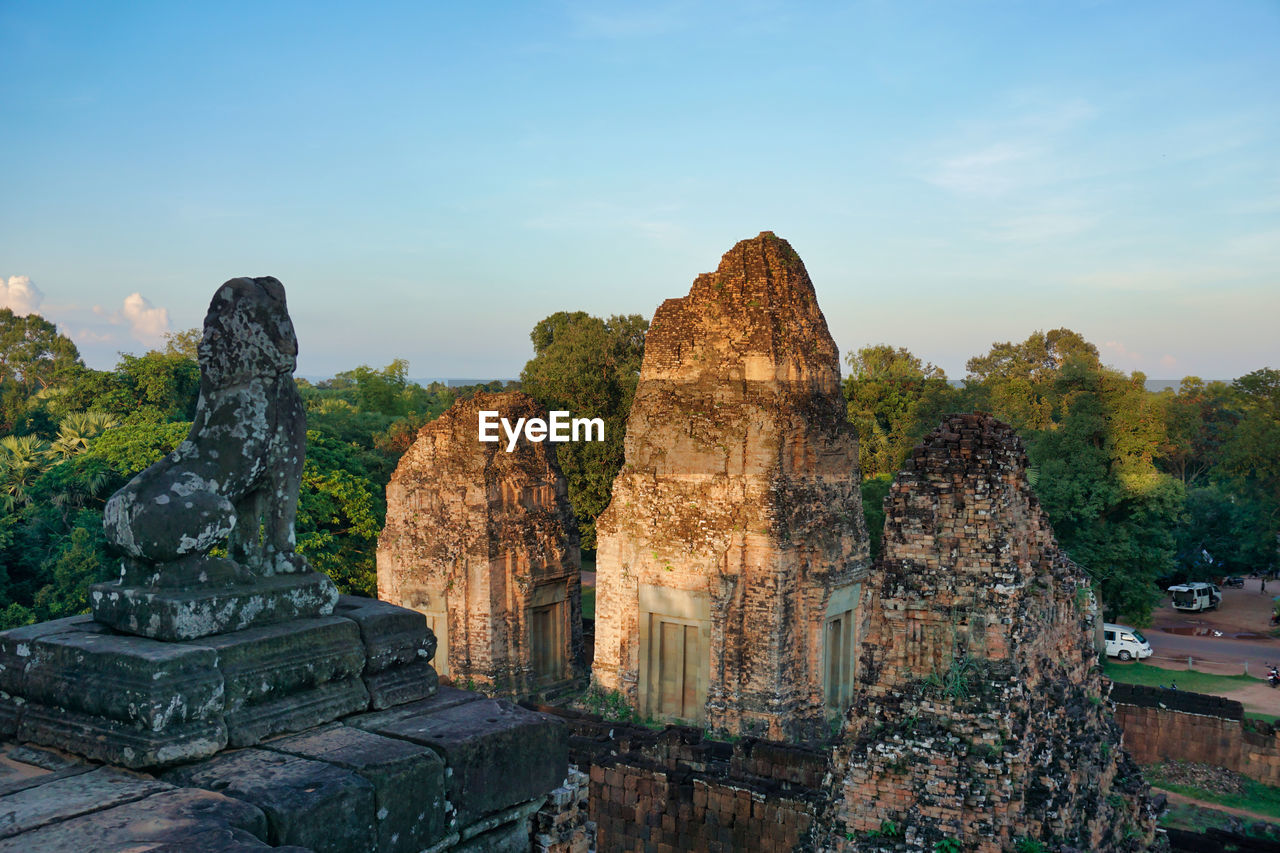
(456, 771)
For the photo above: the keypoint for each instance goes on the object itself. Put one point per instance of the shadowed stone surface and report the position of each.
(234, 480)
(166, 614)
(485, 544)
(398, 650)
(121, 743)
(128, 679)
(271, 661)
(444, 698)
(408, 781)
(307, 803)
(735, 534)
(289, 676)
(188, 819)
(23, 767)
(122, 699)
(297, 711)
(499, 754)
(15, 652)
(74, 795)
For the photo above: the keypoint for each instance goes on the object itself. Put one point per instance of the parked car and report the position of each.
(1236, 582)
(1195, 596)
(1125, 643)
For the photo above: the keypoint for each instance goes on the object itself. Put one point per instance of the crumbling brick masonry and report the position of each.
(980, 713)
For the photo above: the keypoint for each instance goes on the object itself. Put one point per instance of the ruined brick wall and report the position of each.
(639, 808)
(980, 714)
(740, 496)
(562, 824)
(676, 791)
(485, 543)
(1177, 725)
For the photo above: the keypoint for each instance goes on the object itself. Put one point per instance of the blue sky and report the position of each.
(431, 179)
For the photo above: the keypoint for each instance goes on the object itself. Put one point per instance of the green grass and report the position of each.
(1196, 682)
(588, 602)
(1257, 797)
(1266, 718)
(1199, 819)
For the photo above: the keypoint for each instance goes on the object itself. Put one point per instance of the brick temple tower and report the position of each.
(484, 543)
(732, 557)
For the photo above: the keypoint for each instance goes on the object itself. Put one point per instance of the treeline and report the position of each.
(1142, 488)
(70, 436)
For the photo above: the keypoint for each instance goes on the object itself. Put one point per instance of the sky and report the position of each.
(430, 179)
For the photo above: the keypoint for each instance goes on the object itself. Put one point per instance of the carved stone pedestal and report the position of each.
(129, 700)
(190, 613)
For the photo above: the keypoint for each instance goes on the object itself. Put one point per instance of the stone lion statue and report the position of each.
(235, 478)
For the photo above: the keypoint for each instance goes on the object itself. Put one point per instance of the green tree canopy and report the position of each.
(157, 386)
(894, 400)
(588, 367)
(1012, 379)
(1112, 510)
(33, 357)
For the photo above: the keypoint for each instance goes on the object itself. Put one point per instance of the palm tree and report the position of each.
(23, 458)
(77, 428)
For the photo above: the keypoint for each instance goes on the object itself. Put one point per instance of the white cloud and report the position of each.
(991, 170)
(147, 323)
(1051, 222)
(89, 336)
(19, 295)
(623, 21)
(1023, 146)
(1120, 355)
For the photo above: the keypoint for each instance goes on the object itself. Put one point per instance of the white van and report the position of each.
(1195, 596)
(1125, 643)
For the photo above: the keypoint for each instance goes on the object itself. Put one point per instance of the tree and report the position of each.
(341, 509)
(76, 431)
(1199, 420)
(1250, 457)
(894, 400)
(1093, 437)
(157, 387)
(382, 390)
(185, 343)
(129, 448)
(588, 367)
(874, 490)
(22, 459)
(33, 356)
(1013, 379)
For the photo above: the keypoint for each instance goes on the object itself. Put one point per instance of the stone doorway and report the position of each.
(675, 653)
(548, 634)
(839, 644)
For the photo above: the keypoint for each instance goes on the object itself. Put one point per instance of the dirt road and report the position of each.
(1238, 632)
(1223, 640)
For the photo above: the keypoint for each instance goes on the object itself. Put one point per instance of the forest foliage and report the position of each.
(1143, 488)
(70, 436)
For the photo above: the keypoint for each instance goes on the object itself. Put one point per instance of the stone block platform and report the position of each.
(455, 771)
(82, 686)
